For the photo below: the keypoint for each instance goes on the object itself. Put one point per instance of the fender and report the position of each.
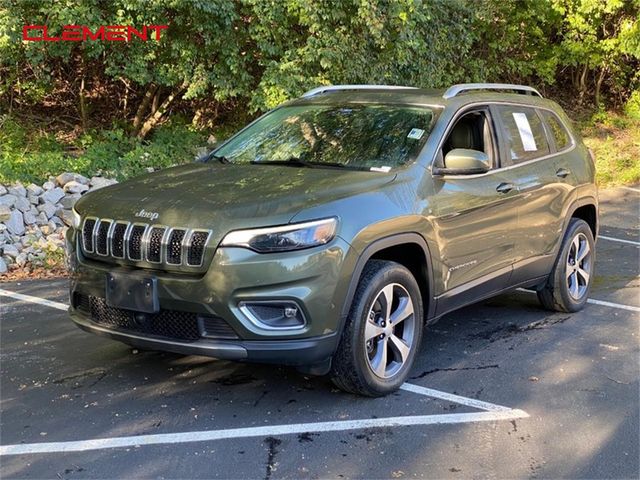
(381, 244)
(575, 205)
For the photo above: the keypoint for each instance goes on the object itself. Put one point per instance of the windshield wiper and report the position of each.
(297, 162)
(220, 158)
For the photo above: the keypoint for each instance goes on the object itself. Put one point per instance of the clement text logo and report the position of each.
(80, 33)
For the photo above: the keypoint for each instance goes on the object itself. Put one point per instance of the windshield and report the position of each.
(364, 137)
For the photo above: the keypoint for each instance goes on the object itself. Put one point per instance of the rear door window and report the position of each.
(523, 133)
(557, 130)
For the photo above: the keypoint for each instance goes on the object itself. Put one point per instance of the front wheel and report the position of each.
(382, 332)
(568, 285)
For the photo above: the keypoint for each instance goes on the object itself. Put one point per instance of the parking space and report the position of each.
(501, 389)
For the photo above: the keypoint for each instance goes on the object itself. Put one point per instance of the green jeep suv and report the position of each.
(327, 233)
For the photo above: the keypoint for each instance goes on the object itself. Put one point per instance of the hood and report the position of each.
(226, 197)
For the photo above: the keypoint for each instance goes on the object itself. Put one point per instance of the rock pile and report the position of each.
(34, 219)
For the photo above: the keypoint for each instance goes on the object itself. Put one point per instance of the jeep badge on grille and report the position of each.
(144, 214)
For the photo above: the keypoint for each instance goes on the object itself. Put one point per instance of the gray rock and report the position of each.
(21, 260)
(75, 187)
(81, 179)
(64, 178)
(67, 217)
(18, 190)
(5, 213)
(29, 218)
(57, 221)
(33, 189)
(3, 191)
(49, 209)
(49, 185)
(15, 224)
(23, 204)
(33, 199)
(42, 219)
(8, 200)
(69, 200)
(10, 251)
(47, 229)
(100, 182)
(52, 196)
(3, 266)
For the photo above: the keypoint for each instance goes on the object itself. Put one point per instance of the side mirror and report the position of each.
(463, 161)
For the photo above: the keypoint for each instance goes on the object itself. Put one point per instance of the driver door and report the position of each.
(476, 217)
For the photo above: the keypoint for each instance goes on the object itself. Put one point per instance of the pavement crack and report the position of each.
(95, 372)
(435, 370)
(272, 445)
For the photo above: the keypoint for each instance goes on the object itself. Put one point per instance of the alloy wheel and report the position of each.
(578, 268)
(389, 330)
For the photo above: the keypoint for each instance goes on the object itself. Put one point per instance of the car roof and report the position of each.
(455, 96)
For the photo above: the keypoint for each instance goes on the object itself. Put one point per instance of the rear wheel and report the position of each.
(568, 285)
(382, 333)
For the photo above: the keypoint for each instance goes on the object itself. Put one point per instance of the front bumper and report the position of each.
(298, 352)
(315, 279)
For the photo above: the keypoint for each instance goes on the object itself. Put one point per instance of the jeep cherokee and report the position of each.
(327, 233)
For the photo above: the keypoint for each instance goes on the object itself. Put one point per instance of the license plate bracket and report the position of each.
(132, 292)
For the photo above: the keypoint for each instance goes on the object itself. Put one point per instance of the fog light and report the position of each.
(274, 315)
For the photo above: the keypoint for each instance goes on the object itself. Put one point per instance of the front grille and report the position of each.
(87, 234)
(174, 247)
(196, 247)
(139, 242)
(135, 242)
(117, 239)
(154, 251)
(102, 237)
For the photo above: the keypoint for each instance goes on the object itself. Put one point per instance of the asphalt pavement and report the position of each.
(502, 389)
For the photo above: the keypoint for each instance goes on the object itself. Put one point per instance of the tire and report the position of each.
(569, 283)
(360, 365)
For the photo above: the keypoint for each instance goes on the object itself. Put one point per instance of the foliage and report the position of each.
(113, 106)
(32, 155)
(615, 142)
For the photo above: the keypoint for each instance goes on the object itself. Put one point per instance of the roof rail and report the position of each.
(464, 87)
(336, 88)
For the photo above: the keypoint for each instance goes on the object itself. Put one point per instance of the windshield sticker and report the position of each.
(526, 135)
(380, 169)
(416, 133)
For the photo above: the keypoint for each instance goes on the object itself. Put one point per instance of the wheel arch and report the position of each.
(399, 248)
(586, 209)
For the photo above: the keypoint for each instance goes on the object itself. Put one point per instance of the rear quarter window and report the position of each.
(557, 130)
(523, 132)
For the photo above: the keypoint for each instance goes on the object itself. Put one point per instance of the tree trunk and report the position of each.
(83, 106)
(601, 76)
(583, 83)
(144, 105)
(153, 120)
(156, 101)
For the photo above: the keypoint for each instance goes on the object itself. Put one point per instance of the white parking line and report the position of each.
(593, 301)
(272, 430)
(469, 402)
(38, 300)
(492, 413)
(611, 239)
(632, 189)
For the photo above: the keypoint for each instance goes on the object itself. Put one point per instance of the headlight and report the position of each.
(288, 237)
(75, 219)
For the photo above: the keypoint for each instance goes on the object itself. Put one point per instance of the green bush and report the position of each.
(30, 154)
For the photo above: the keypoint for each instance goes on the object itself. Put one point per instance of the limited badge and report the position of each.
(416, 133)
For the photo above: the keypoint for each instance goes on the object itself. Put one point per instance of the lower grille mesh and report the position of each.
(165, 323)
(172, 324)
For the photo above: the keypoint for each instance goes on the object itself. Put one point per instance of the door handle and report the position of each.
(562, 172)
(505, 187)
